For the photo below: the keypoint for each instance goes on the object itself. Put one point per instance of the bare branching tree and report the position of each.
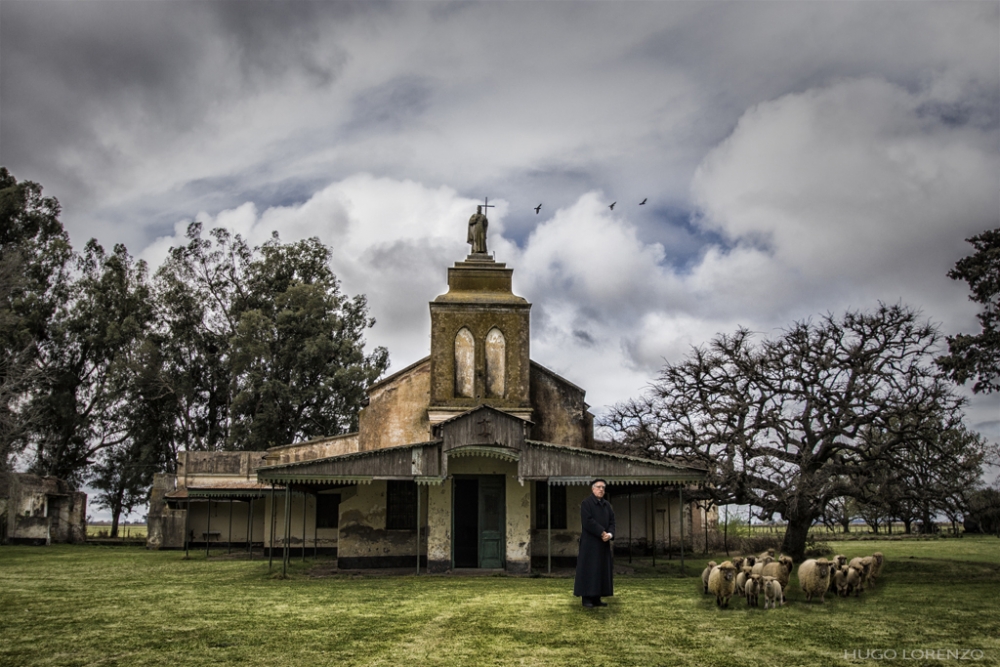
(786, 424)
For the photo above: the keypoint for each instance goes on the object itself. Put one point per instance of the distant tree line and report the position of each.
(838, 417)
(108, 372)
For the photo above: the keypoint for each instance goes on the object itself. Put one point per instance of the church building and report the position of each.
(473, 457)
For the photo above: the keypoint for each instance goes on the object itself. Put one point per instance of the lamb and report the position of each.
(839, 580)
(742, 577)
(814, 577)
(853, 581)
(706, 572)
(772, 592)
(863, 566)
(780, 570)
(752, 590)
(722, 582)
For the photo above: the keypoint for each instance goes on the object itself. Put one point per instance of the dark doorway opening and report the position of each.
(466, 537)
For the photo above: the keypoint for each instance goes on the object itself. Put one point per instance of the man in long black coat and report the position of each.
(595, 561)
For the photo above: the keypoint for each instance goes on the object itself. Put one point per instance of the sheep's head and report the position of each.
(738, 563)
(728, 571)
(879, 558)
(840, 560)
(751, 560)
(786, 563)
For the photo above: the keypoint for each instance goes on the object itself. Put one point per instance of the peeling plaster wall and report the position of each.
(397, 410)
(365, 541)
(439, 526)
(42, 510)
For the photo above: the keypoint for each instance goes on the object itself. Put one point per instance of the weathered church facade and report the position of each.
(473, 457)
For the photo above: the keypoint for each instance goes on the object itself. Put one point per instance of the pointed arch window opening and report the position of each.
(465, 363)
(496, 363)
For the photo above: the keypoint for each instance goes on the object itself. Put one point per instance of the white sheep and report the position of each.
(722, 582)
(752, 589)
(814, 577)
(706, 572)
(839, 582)
(772, 592)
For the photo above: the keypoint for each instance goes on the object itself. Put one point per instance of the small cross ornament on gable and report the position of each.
(486, 427)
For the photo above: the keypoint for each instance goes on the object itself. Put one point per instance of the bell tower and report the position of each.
(479, 342)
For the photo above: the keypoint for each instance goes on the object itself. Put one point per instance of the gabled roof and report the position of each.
(477, 409)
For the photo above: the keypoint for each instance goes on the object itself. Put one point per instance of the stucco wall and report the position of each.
(397, 410)
(559, 411)
(314, 449)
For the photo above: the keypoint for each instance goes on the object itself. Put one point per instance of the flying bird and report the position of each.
(612, 207)
(538, 208)
(643, 201)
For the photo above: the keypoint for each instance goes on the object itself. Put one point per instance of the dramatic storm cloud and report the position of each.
(796, 159)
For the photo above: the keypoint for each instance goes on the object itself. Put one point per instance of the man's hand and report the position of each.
(606, 536)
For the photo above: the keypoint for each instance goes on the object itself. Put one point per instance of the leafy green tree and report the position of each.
(35, 264)
(783, 424)
(88, 341)
(978, 356)
(260, 347)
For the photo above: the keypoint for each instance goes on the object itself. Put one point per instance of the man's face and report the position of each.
(598, 489)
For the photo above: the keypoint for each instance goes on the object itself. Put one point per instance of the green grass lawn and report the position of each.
(79, 605)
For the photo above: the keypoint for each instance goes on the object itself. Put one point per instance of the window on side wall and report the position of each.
(401, 505)
(542, 508)
(328, 510)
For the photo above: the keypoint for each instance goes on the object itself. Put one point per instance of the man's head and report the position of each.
(598, 486)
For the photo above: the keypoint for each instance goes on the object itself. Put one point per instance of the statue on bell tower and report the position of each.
(477, 229)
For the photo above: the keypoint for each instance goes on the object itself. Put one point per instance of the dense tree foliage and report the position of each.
(978, 356)
(107, 374)
(35, 262)
(787, 425)
(262, 347)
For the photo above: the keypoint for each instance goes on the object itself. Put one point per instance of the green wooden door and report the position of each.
(492, 517)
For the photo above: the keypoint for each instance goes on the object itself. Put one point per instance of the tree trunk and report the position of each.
(116, 513)
(907, 525)
(796, 534)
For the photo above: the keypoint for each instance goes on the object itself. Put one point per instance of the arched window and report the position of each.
(465, 363)
(496, 358)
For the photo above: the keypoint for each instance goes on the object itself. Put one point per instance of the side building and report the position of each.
(473, 457)
(41, 510)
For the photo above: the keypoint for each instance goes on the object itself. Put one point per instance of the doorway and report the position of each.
(479, 516)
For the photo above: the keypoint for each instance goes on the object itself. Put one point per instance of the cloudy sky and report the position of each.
(797, 158)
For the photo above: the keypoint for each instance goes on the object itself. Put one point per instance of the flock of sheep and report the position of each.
(754, 576)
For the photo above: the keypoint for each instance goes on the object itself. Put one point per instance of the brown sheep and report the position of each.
(878, 560)
(814, 577)
(863, 566)
(839, 580)
(741, 578)
(780, 570)
(758, 567)
(722, 582)
(704, 574)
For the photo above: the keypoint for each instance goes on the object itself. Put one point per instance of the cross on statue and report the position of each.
(487, 205)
